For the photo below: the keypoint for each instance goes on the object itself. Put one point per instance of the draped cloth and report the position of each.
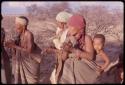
(58, 42)
(27, 67)
(79, 72)
(61, 39)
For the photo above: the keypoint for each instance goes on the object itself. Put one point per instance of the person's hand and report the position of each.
(63, 54)
(10, 44)
(66, 46)
(43, 51)
(77, 54)
(46, 50)
(100, 70)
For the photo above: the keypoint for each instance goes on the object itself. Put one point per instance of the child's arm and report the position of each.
(105, 58)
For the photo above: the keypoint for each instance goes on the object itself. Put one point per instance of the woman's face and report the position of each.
(73, 31)
(19, 27)
(61, 25)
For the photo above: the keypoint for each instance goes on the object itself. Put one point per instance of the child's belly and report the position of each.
(99, 60)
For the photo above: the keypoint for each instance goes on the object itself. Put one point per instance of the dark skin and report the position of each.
(60, 53)
(88, 52)
(61, 56)
(27, 40)
(61, 25)
(67, 47)
(98, 46)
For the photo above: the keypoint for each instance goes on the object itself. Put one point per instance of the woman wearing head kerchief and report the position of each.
(61, 34)
(62, 30)
(79, 68)
(62, 19)
(26, 62)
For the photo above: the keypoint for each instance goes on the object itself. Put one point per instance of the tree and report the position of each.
(32, 10)
(99, 19)
(44, 12)
(58, 7)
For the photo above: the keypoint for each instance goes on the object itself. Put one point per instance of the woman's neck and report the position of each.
(23, 32)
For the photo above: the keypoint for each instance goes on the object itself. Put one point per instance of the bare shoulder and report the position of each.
(88, 38)
(29, 34)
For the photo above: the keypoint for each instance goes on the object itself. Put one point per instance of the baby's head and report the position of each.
(98, 41)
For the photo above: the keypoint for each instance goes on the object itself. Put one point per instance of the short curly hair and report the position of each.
(101, 36)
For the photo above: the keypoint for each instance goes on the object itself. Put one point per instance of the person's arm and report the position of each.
(88, 51)
(13, 45)
(29, 43)
(105, 58)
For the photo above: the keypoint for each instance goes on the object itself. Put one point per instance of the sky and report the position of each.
(19, 7)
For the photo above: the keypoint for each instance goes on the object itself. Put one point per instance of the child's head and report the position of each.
(98, 41)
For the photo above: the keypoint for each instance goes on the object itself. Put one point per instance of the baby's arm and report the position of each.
(105, 58)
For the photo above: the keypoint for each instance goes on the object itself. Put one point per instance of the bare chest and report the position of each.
(23, 41)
